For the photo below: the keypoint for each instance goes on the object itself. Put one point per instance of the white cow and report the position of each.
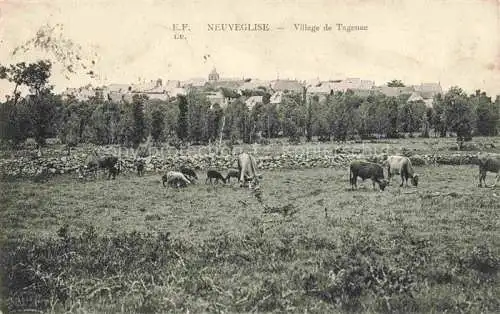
(248, 169)
(175, 177)
(401, 165)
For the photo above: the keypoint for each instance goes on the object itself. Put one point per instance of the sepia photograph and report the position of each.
(266, 156)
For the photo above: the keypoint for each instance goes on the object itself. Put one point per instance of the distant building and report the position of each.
(395, 91)
(153, 89)
(218, 98)
(429, 90)
(82, 93)
(254, 84)
(293, 86)
(352, 84)
(321, 91)
(276, 98)
(252, 101)
(174, 92)
(414, 97)
(194, 83)
(213, 76)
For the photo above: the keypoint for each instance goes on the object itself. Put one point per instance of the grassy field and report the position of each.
(308, 243)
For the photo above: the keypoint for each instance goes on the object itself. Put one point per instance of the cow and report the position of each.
(94, 163)
(365, 170)
(175, 178)
(188, 172)
(91, 167)
(232, 173)
(214, 174)
(247, 169)
(111, 163)
(401, 165)
(491, 164)
(139, 166)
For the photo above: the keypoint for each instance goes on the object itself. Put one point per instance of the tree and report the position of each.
(459, 114)
(41, 101)
(345, 119)
(157, 125)
(182, 124)
(395, 83)
(198, 107)
(237, 121)
(215, 115)
(35, 76)
(293, 115)
(411, 116)
(486, 112)
(139, 128)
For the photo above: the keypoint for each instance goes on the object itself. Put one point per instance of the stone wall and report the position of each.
(28, 166)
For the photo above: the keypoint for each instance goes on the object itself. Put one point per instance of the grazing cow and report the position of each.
(91, 167)
(247, 169)
(139, 166)
(232, 173)
(188, 172)
(111, 163)
(175, 178)
(113, 171)
(214, 174)
(491, 164)
(106, 163)
(401, 165)
(365, 170)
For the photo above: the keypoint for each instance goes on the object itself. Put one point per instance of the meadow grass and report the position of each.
(131, 245)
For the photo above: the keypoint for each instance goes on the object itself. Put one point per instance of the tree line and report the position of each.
(192, 118)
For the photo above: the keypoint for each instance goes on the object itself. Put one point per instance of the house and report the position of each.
(215, 81)
(292, 86)
(414, 97)
(174, 92)
(352, 84)
(117, 92)
(253, 84)
(395, 91)
(429, 90)
(252, 101)
(230, 83)
(118, 97)
(194, 83)
(217, 98)
(82, 93)
(312, 82)
(322, 91)
(276, 98)
(154, 90)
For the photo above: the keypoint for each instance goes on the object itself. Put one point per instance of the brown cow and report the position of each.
(365, 170)
(491, 164)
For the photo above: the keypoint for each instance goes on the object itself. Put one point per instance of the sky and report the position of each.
(452, 42)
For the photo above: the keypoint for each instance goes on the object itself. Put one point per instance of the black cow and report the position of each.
(232, 173)
(139, 166)
(111, 163)
(488, 164)
(365, 170)
(214, 174)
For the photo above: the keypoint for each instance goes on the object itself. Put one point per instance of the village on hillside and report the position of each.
(223, 91)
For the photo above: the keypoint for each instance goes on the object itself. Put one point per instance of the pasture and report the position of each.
(305, 243)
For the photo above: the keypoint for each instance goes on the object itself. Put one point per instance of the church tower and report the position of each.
(213, 76)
